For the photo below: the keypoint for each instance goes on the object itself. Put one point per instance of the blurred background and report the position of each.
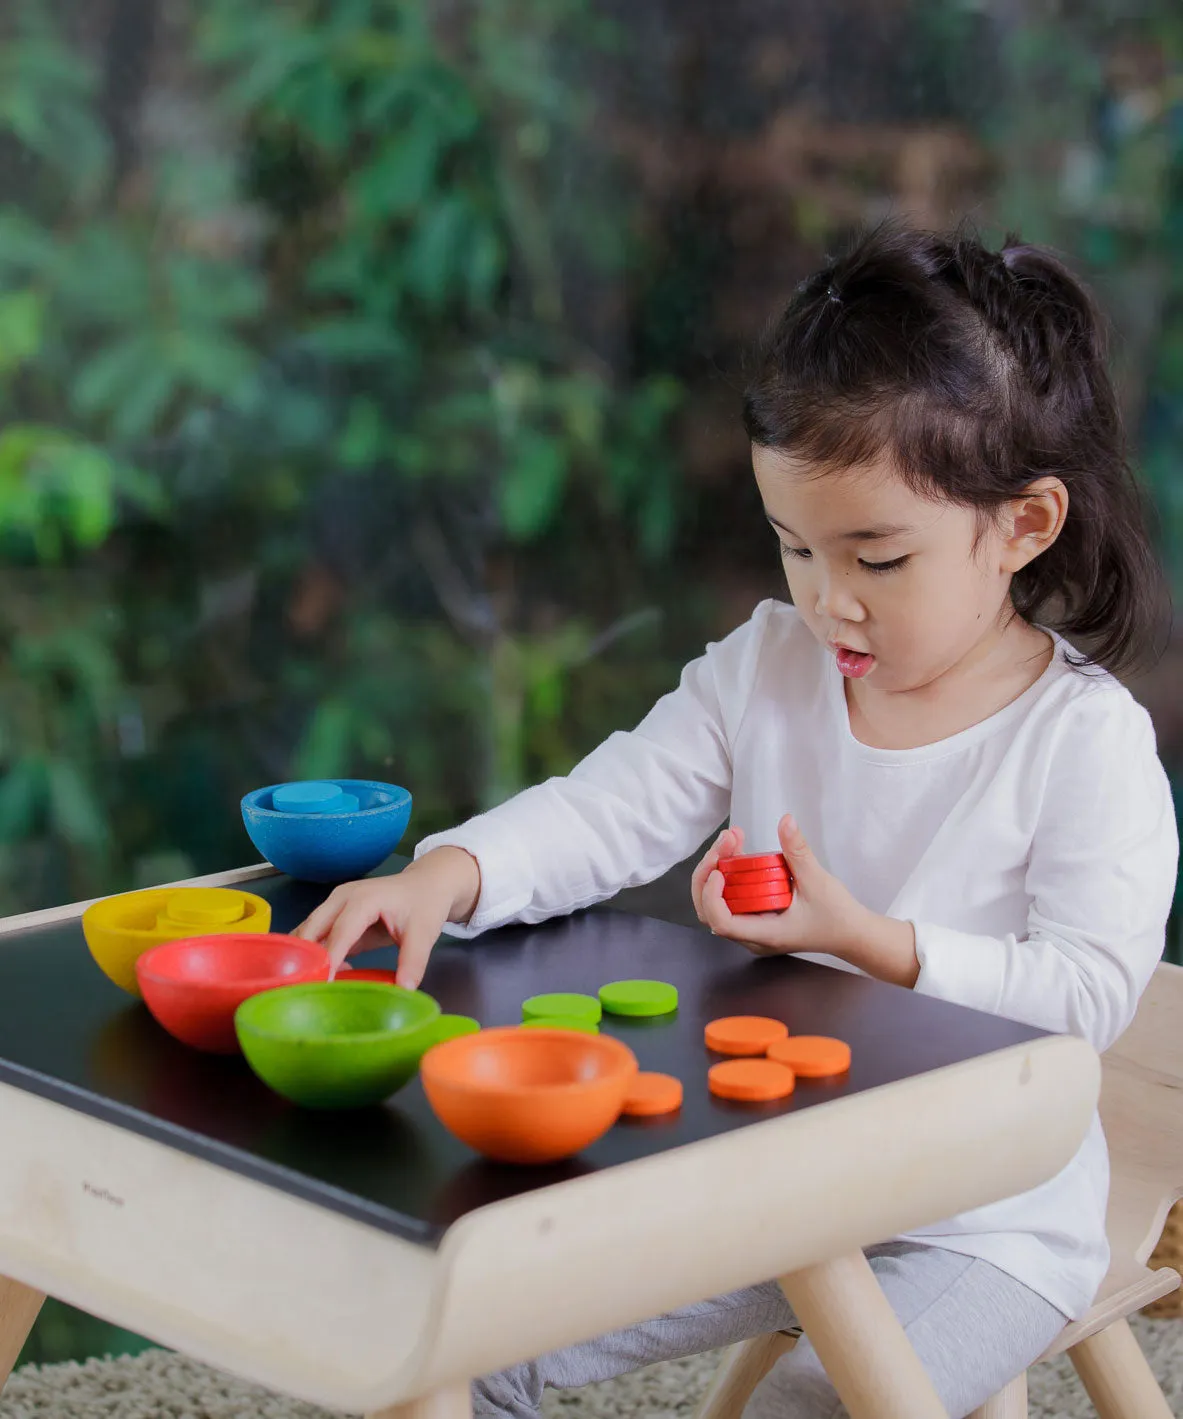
(370, 369)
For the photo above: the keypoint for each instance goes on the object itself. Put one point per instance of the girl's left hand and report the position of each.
(823, 916)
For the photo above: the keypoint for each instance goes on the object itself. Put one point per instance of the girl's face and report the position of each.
(887, 580)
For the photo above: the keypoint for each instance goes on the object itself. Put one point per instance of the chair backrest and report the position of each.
(1142, 1112)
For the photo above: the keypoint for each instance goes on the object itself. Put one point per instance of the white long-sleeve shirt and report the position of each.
(1035, 853)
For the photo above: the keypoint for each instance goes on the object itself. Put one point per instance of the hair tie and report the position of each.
(833, 295)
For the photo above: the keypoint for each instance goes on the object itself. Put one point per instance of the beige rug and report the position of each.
(161, 1385)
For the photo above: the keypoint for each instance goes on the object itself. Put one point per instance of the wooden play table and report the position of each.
(369, 1262)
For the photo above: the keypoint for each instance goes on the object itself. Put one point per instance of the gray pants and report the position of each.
(974, 1328)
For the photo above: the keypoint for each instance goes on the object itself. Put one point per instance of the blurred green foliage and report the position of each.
(355, 288)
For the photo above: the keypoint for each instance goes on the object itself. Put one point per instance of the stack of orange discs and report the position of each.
(756, 882)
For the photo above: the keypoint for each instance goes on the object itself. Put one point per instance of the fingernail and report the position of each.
(790, 823)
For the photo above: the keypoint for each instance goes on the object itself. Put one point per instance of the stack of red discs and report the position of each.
(756, 882)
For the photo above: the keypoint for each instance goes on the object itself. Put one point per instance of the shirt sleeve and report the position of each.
(636, 805)
(1100, 878)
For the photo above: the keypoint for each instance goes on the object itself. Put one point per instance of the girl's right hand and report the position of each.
(727, 844)
(408, 908)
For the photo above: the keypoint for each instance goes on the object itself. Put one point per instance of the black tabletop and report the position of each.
(70, 1035)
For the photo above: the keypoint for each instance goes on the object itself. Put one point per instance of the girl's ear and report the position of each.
(1033, 521)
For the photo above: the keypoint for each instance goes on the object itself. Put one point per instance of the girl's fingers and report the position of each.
(418, 937)
(352, 923)
(715, 912)
(317, 924)
(711, 857)
(361, 916)
(763, 935)
(703, 871)
(373, 937)
(762, 932)
(723, 846)
(754, 929)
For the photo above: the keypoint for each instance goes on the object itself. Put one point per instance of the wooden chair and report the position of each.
(1142, 1111)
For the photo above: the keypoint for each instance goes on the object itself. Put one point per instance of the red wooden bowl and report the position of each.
(370, 973)
(194, 986)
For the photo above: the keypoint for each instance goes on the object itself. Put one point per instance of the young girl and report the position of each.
(970, 807)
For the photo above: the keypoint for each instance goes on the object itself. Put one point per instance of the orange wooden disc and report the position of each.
(760, 878)
(651, 1094)
(744, 1034)
(749, 862)
(754, 1080)
(757, 889)
(758, 902)
(812, 1056)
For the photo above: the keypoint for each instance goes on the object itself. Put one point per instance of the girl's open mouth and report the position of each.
(854, 663)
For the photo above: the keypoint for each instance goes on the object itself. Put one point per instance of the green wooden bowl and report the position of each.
(341, 1044)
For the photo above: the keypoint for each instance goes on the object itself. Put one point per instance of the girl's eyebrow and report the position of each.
(879, 533)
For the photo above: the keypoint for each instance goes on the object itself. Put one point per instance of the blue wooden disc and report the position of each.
(313, 796)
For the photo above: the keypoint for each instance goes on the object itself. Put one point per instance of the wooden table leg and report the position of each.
(452, 1403)
(859, 1340)
(19, 1307)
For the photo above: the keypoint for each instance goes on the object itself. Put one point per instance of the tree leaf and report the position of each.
(22, 795)
(107, 378)
(357, 339)
(74, 811)
(22, 323)
(486, 263)
(324, 750)
(434, 252)
(533, 486)
(364, 435)
(399, 177)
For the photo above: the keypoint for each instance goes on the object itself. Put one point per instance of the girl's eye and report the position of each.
(891, 566)
(804, 554)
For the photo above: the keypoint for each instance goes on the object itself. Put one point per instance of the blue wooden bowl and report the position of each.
(327, 830)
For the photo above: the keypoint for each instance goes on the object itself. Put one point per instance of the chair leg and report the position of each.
(19, 1308)
(454, 1402)
(1008, 1403)
(1118, 1378)
(741, 1369)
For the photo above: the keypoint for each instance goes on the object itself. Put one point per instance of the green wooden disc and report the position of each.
(562, 1006)
(639, 997)
(561, 1022)
(450, 1027)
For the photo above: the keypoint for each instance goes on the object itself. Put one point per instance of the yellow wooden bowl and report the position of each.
(120, 929)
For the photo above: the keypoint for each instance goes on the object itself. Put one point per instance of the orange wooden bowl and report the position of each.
(528, 1096)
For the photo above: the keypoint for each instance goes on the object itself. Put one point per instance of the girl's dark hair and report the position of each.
(977, 372)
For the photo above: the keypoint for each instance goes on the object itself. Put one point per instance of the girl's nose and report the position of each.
(836, 602)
